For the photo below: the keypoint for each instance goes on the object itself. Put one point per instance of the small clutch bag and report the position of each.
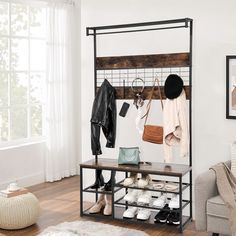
(129, 156)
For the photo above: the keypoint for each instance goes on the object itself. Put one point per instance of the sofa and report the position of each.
(211, 214)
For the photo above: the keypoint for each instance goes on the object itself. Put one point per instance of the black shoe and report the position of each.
(162, 215)
(99, 182)
(107, 186)
(173, 218)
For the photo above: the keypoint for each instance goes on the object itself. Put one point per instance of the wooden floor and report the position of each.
(59, 202)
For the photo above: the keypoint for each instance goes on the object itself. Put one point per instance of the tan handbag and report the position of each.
(153, 133)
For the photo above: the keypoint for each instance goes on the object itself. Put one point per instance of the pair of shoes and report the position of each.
(103, 203)
(167, 186)
(139, 196)
(99, 182)
(130, 213)
(174, 202)
(162, 215)
(133, 179)
(132, 195)
(142, 213)
(161, 201)
(166, 216)
(145, 198)
(173, 218)
(144, 181)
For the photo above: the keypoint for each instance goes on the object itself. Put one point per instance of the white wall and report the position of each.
(214, 38)
(23, 164)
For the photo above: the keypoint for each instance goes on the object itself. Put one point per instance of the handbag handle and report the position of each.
(150, 99)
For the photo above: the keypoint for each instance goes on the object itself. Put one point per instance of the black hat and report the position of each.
(173, 86)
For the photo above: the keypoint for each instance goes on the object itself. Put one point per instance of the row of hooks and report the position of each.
(121, 77)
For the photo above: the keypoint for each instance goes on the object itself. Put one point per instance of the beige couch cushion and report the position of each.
(216, 207)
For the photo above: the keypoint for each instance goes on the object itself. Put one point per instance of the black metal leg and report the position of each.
(126, 191)
(191, 195)
(113, 173)
(180, 205)
(81, 192)
(215, 234)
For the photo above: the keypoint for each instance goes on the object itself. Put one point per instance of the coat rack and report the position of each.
(118, 68)
(121, 70)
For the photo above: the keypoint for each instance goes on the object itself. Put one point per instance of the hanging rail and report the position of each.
(184, 23)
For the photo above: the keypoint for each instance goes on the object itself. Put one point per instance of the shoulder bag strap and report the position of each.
(150, 99)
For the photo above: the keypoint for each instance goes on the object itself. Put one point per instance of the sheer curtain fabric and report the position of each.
(61, 160)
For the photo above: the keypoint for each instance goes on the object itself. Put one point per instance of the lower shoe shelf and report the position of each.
(118, 215)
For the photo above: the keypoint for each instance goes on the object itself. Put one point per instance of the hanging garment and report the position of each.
(175, 126)
(103, 115)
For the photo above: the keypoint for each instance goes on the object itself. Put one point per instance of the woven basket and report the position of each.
(19, 212)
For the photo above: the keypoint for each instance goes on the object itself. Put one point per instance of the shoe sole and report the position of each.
(143, 219)
(174, 223)
(160, 221)
(125, 217)
(159, 206)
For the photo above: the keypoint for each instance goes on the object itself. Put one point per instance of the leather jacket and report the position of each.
(103, 115)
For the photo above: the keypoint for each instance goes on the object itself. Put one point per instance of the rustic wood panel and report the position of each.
(127, 93)
(157, 168)
(143, 61)
(59, 202)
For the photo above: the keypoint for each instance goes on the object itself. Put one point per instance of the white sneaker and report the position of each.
(161, 201)
(144, 181)
(145, 197)
(132, 195)
(143, 214)
(130, 180)
(130, 212)
(174, 202)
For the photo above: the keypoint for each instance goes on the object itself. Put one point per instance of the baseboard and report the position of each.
(25, 181)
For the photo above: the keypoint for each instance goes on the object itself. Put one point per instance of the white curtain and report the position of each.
(61, 160)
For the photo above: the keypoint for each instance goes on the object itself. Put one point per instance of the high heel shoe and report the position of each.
(98, 206)
(99, 182)
(108, 209)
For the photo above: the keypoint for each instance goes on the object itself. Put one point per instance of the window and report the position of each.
(22, 71)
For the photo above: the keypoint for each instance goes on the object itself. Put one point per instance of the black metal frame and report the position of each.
(147, 26)
(95, 30)
(116, 187)
(228, 58)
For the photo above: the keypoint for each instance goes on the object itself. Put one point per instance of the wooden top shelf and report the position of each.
(156, 167)
(143, 61)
